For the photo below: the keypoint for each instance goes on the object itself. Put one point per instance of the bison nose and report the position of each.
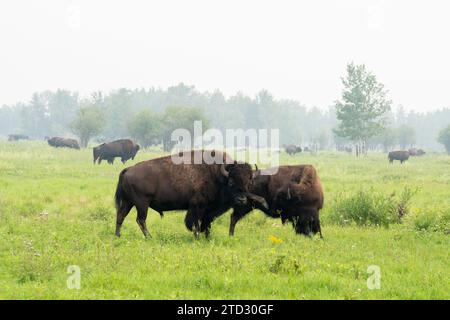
(240, 200)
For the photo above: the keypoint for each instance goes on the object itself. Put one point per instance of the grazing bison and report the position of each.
(206, 190)
(292, 149)
(58, 142)
(398, 155)
(125, 149)
(295, 191)
(420, 152)
(416, 152)
(17, 137)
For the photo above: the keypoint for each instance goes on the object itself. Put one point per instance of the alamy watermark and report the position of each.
(74, 278)
(251, 145)
(374, 279)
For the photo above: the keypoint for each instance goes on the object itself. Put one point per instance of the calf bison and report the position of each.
(17, 137)
(125, 149)
(292, 149)
(294, 191)
(401, 156)
(205, 190)
(58, 142)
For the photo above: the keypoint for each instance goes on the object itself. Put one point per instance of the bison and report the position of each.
(294, 191)
(125, 149)
(17, 137)
(58, 142)
(416, 152)
(205, 190)
(401, 156)
(292, 149)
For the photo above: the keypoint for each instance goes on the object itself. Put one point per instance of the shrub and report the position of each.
(371, 208)
(439, 222)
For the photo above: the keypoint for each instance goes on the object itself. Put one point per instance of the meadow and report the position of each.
(57, 210)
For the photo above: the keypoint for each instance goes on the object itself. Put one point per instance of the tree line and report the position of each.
(363, 116)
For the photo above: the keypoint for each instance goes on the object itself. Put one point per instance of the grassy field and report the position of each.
(56, 210)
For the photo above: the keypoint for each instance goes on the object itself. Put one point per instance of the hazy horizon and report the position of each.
(295, 50)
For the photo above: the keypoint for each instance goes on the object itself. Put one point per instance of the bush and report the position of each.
(371, 208)
(439, 222)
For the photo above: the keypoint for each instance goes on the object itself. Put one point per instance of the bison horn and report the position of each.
(288, 196)
(257, 172)
(224, 171)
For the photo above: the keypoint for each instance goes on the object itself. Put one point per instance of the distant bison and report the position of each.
(58, 142)
(398, 155)
(420, 152)
(292, 149)
(17, 137)
(416, 152)
(125, 149)
(294, 193)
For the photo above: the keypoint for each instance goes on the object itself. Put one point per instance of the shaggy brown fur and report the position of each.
(294, 191)
(58, 142)
(125, 149)
(205, 190)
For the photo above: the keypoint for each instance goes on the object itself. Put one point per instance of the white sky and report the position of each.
(295, 49)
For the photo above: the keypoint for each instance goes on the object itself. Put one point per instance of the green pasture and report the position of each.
(57, 210)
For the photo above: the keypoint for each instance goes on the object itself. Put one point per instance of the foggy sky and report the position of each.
(294, 49)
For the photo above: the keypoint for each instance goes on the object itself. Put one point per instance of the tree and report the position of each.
(406, 136)
(181, 117)
(362, 110)
(89, 122)
(145, 127)
(444, 138)
(389, 138)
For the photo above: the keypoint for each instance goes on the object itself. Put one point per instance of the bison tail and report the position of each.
(189, 220)
(120, 194)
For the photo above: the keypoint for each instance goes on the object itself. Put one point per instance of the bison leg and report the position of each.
(122, 212)
(237, 215)
(206, 226)
(142, 210)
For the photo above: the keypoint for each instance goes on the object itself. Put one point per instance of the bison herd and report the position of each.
(208, 189)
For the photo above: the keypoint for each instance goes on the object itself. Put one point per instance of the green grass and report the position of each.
(56, 210)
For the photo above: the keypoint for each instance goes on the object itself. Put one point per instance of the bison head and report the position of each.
(299, 208)
(239, 177)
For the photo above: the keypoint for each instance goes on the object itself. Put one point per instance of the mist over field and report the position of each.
(339, 109)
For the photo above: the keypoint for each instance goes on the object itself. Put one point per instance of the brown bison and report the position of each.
(205, 190)
(416, 152)
(17, 137)
(125, 149)
(58, 142)
(398, 155)
(292, 149)
(294, 191)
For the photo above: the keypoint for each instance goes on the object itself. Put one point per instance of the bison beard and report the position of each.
(204, 190)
